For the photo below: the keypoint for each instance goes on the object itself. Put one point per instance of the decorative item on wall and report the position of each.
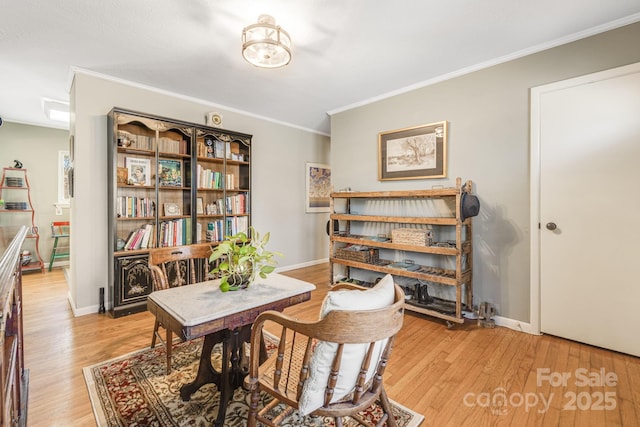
(413, 153)
(214, 119)
(318, 183)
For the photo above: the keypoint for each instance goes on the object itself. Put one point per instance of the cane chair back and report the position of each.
(344, 353)
(171, 267)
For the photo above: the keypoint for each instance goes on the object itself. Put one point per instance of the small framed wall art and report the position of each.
(172, 209)
(417, 152)
(318, 185)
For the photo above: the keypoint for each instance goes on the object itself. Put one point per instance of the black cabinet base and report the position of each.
(125, 310)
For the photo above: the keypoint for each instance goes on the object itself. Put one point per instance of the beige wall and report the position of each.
(488, 115)
(37, 148)
(278, 167)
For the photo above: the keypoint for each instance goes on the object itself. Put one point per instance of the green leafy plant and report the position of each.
(243, 258)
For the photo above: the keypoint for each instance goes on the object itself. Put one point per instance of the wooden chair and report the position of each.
(286, 373)
(171, 267)
(59, 229)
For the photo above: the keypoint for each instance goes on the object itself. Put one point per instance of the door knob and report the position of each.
(551, 226)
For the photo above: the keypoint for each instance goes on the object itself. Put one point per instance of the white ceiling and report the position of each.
(345, 52)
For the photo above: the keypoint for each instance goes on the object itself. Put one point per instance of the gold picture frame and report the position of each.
(418, 152)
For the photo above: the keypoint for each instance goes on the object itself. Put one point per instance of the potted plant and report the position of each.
(241, 258)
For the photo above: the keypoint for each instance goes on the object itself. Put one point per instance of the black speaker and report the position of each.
(102, 307)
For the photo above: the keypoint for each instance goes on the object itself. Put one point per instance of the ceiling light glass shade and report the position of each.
(265, 44)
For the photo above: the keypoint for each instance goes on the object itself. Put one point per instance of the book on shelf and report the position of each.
(134, 207)
(146, 236)
(218, 149)
(135, 240)
(228, 149)
(139, 170)
(123, 176)
(230, 181)
(235, 225)
(129, 239)
(170, 173)
(215, 232)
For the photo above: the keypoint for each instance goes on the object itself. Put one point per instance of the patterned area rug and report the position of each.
(133, 390)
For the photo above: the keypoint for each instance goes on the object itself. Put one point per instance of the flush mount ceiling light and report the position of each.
(56, 110)
(265, 44)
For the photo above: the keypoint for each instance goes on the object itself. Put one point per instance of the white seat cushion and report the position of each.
(312, 396)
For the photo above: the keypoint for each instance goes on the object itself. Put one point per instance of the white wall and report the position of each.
(488, 115)
(278, 167)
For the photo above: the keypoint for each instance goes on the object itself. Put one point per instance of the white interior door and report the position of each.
(589, 190)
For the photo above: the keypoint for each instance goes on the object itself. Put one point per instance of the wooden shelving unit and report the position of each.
(367, 221)
(17, 209)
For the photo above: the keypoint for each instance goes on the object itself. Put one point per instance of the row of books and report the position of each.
(172, 233)
(208, 178)
(168, 145)
(135, 207)
(216, 149)
(144, 207)
(215, 231)
(218, 229)
(175, 233)
(141, 238)
(237, 224)
(213, 148)
(238, 204)
(144, 142)
(214, 208)
(139, 142)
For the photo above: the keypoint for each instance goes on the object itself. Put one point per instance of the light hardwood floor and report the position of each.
(454, 377)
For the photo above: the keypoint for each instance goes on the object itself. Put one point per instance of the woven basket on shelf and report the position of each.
(364, 254)
(412, 236)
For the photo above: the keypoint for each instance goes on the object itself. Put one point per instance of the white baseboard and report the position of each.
(84, 310)
(516, 325)
(301, 265)
(64, 264)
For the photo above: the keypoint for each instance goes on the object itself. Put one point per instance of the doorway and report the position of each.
(585, 146)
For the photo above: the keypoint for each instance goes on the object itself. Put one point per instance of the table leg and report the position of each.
(206, 373)
(231, 377)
